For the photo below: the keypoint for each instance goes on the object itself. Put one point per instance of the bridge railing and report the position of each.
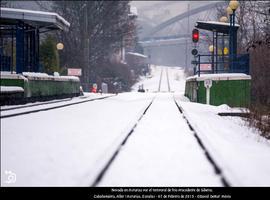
(212, 64)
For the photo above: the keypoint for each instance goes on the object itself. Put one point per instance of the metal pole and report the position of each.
(234, 42)
(186, 40)
(199, 67)
(216, 52)
(12, 46)
(230, 44)
(37, 54)
(212, 56)
(186, 56)
(86, 48)
(223, 46)
(207, 95)
(19, 48)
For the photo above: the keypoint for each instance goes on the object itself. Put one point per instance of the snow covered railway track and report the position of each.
(215, 165)
(106, 166)
(168, 82)
(164, 85)
(160, 80)
(19, 113)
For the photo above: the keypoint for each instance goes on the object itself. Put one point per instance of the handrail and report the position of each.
(222, 63)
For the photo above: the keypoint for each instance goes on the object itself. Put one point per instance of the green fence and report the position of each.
(233, 91)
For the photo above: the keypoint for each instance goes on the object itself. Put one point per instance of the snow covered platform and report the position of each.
(11, 89)
(226, 88)
(36, 86)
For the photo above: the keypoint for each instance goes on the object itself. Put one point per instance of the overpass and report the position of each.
(172, 47)
(164, 40)
(180, 17)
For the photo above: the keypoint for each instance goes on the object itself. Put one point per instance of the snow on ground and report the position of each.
(177, 79)
(150, 83)
(53, 103)
(66, 146)
(162, 151)
(69, 146)
(163, 82)
(242, 154)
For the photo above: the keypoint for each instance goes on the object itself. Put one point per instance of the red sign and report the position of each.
(74, 72)
(205, 67)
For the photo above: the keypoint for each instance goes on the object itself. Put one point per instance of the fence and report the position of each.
(211, 64)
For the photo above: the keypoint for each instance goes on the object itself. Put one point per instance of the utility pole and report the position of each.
(86, 48)
(186, 60)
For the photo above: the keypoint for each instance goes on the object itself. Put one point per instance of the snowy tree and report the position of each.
(49, 55)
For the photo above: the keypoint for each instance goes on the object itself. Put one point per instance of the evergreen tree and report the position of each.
(49, 56)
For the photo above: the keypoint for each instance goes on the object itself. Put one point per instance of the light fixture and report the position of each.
(60, 46)
(233, 5)
(225, 51)
(211, 48)
(223, 19)
(229, 10)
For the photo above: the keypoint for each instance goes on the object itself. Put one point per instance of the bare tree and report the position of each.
(98, 29)
(253, 37)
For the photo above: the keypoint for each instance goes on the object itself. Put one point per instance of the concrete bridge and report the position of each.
(171, 46)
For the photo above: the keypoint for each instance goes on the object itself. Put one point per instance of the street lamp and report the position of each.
(229, 11)
(225, 51)
(223, 19)
(60, 46)
(233, 5)
(211, 48)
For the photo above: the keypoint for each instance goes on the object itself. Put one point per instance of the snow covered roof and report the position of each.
(36, 75)
(44, 76)
(7, 89)
(38, 19)
(9, 75)
(137, 54)
(133, 11)
(220, 27)
(221, 76)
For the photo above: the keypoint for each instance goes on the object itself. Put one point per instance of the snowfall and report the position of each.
(71, 145)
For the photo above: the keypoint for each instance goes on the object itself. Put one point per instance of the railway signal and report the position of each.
(194, 52)
(195, 35)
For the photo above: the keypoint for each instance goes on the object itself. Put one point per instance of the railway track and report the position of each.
(207, 154)
(160, 80)
(103, 171)
(109, 162)
(19, 113)
(216, 167)
(168, 82)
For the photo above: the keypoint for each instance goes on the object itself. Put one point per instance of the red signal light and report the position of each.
(195, 35)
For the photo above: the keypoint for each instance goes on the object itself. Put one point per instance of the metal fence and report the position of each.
(212, 64)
